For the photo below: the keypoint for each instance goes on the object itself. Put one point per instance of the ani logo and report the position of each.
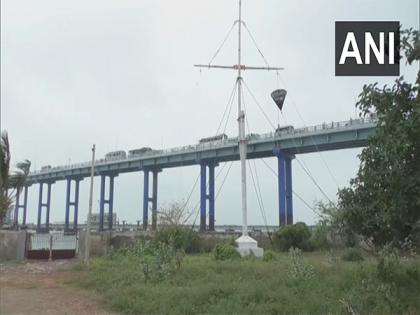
(367, 48)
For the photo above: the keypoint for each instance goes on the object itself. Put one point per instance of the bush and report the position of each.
(390, 286)
(297, 235)
(157, 261)
(180, 237)
(319, 239)
(269, 255)
(224, 252)
(298, 269)
(352, 254)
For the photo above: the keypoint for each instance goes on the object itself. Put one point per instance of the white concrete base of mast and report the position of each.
(247, 245)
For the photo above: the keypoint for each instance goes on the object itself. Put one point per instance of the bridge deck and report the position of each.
(331, 136)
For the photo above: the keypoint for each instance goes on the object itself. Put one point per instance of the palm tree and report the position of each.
(11, 181)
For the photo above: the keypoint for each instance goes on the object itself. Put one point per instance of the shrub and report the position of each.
(319, 239)
(180, 237)
(269, 255)
(298, 269)
(352, 254)
(297, 235)
(225, 251)
(388, 287)
(156, 260)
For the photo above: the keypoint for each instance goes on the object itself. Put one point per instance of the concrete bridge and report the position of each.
(283, 145)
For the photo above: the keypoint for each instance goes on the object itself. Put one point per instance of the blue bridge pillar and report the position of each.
(23, 206)
(147, 199)
(42, 205)
(285, 189)
(74, 204)
(204, 196)
(109, 201)
(289, 190)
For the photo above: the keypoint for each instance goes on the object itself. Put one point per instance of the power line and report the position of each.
(313, 141)
(230, 108)
(223, 42)
(302, 164)
(228, 105)
(255, 44)
(259, 106)
(278, 76)
(295, 193)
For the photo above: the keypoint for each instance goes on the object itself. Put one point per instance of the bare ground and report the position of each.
(38, 287)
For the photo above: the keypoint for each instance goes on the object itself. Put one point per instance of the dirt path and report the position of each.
(38, 288)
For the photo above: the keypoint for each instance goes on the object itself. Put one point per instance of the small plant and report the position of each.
(269, 255)
(297, 235)
(298, 269)
(352, 254)
(180, 237)
(332, 258)
(158, 260)
(225, 252)
(319, 239)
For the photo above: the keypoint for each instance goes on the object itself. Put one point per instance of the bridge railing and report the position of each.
(222, 143)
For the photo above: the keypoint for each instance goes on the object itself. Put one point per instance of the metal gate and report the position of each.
(51, 246)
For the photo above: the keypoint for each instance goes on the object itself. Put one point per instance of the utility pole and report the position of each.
(245, 243)
(87, 238)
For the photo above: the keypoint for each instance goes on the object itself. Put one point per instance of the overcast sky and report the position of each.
(119, 74)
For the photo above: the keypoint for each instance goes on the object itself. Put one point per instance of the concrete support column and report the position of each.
(211, 197)
(45, 205)
(38, 224)
(289, 191)
(147, 199)
(203, 196)
(67, 214)
(74, 204)
(285, 188)
(154, 200)
(25, 204)
(102, 203)
(281, 189)
(109, 201)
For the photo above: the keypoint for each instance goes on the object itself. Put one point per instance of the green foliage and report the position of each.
(9, 180)
(157, 261)
(180, 237)
(206, 286)
(382, 203)
(332, 225)
(320, 236)
(352, 254)
(388, 287)
(269, 255)
(225, 252)
(297, 235)
(298, 269)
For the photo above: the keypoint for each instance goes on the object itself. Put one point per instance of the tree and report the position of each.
(175, 214)
(383, 201)
(11, 181)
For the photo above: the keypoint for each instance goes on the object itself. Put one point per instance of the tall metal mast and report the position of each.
(241, 132)
(241, 116)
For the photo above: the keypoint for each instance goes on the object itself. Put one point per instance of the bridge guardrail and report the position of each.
(220, 144)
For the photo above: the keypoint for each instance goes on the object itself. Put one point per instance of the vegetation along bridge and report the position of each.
(283, 143)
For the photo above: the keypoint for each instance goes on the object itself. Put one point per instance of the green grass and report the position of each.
(249, 286)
